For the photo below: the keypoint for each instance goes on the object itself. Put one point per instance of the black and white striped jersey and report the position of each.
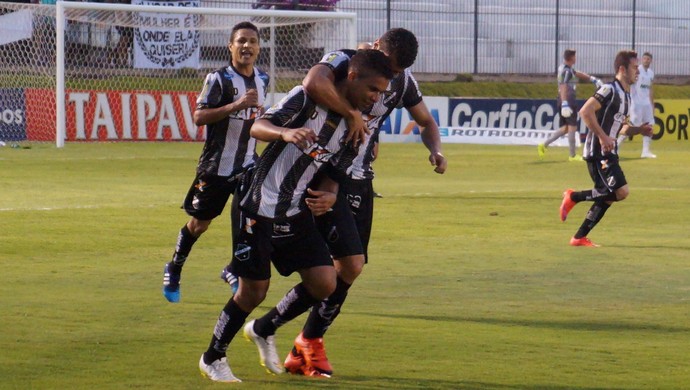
(228, 147)
(613, 114)
(284, 171)
(403, 92)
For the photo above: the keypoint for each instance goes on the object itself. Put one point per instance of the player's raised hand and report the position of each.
(439, 161)
(357, 129)
(320, 202)
(302, 137)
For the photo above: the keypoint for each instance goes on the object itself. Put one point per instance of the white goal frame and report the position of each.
(63, 6)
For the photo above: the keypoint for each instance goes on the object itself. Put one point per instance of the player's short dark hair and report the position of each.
(369, 62)
(623, 59)
(401, 44)
(568, 54)
(648, 54)
(242, 26)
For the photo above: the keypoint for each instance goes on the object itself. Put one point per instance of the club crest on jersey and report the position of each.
(604, 165)
(243, 252)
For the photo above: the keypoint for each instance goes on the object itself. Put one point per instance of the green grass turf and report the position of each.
(454, 297)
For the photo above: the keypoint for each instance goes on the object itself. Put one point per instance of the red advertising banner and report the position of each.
(115, 116)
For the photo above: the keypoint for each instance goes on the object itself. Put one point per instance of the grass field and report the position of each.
(471, 284)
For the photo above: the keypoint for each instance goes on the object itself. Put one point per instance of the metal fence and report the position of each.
(526, 36)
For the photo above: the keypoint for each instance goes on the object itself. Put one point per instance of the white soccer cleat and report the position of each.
(218, 371)
(268, 355)
(648, 155)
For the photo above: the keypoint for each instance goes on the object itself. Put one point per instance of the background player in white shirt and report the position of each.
(642, 99)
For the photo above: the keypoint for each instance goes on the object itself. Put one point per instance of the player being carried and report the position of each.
(347, 228)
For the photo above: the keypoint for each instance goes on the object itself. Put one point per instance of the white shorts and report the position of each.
(641, 114)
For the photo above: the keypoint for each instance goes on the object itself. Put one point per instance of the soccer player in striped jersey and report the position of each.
(606, 115)
(567, 84)
(347, 227)
(276, 206)
(227, 106)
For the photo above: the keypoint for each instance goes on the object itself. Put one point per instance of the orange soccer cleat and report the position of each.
(584, 241)
(567, 204)
(313, 354)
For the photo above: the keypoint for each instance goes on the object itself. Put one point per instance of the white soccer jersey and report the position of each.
(640, 91)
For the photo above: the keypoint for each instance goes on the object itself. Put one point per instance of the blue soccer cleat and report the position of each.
(227, 277)
(171, 285)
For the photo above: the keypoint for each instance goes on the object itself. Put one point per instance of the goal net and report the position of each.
(117, 72)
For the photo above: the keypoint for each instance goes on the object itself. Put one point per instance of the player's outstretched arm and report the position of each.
(430, 135)
(319, 85)
(584, 76)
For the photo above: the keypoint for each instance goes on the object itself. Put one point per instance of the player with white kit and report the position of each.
(642, 104)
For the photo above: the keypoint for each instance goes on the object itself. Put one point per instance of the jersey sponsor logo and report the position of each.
(319, 153)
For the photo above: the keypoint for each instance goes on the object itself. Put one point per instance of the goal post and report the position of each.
(131, 72)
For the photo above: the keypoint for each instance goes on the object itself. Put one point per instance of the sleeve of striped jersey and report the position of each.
(604, 94)
(413, 95)
(211, 93)
(289, 108)
(338, 61)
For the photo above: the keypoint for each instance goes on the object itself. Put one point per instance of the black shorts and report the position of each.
(347, 228)
(606, 174)
(291, 245)
(208, 195)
